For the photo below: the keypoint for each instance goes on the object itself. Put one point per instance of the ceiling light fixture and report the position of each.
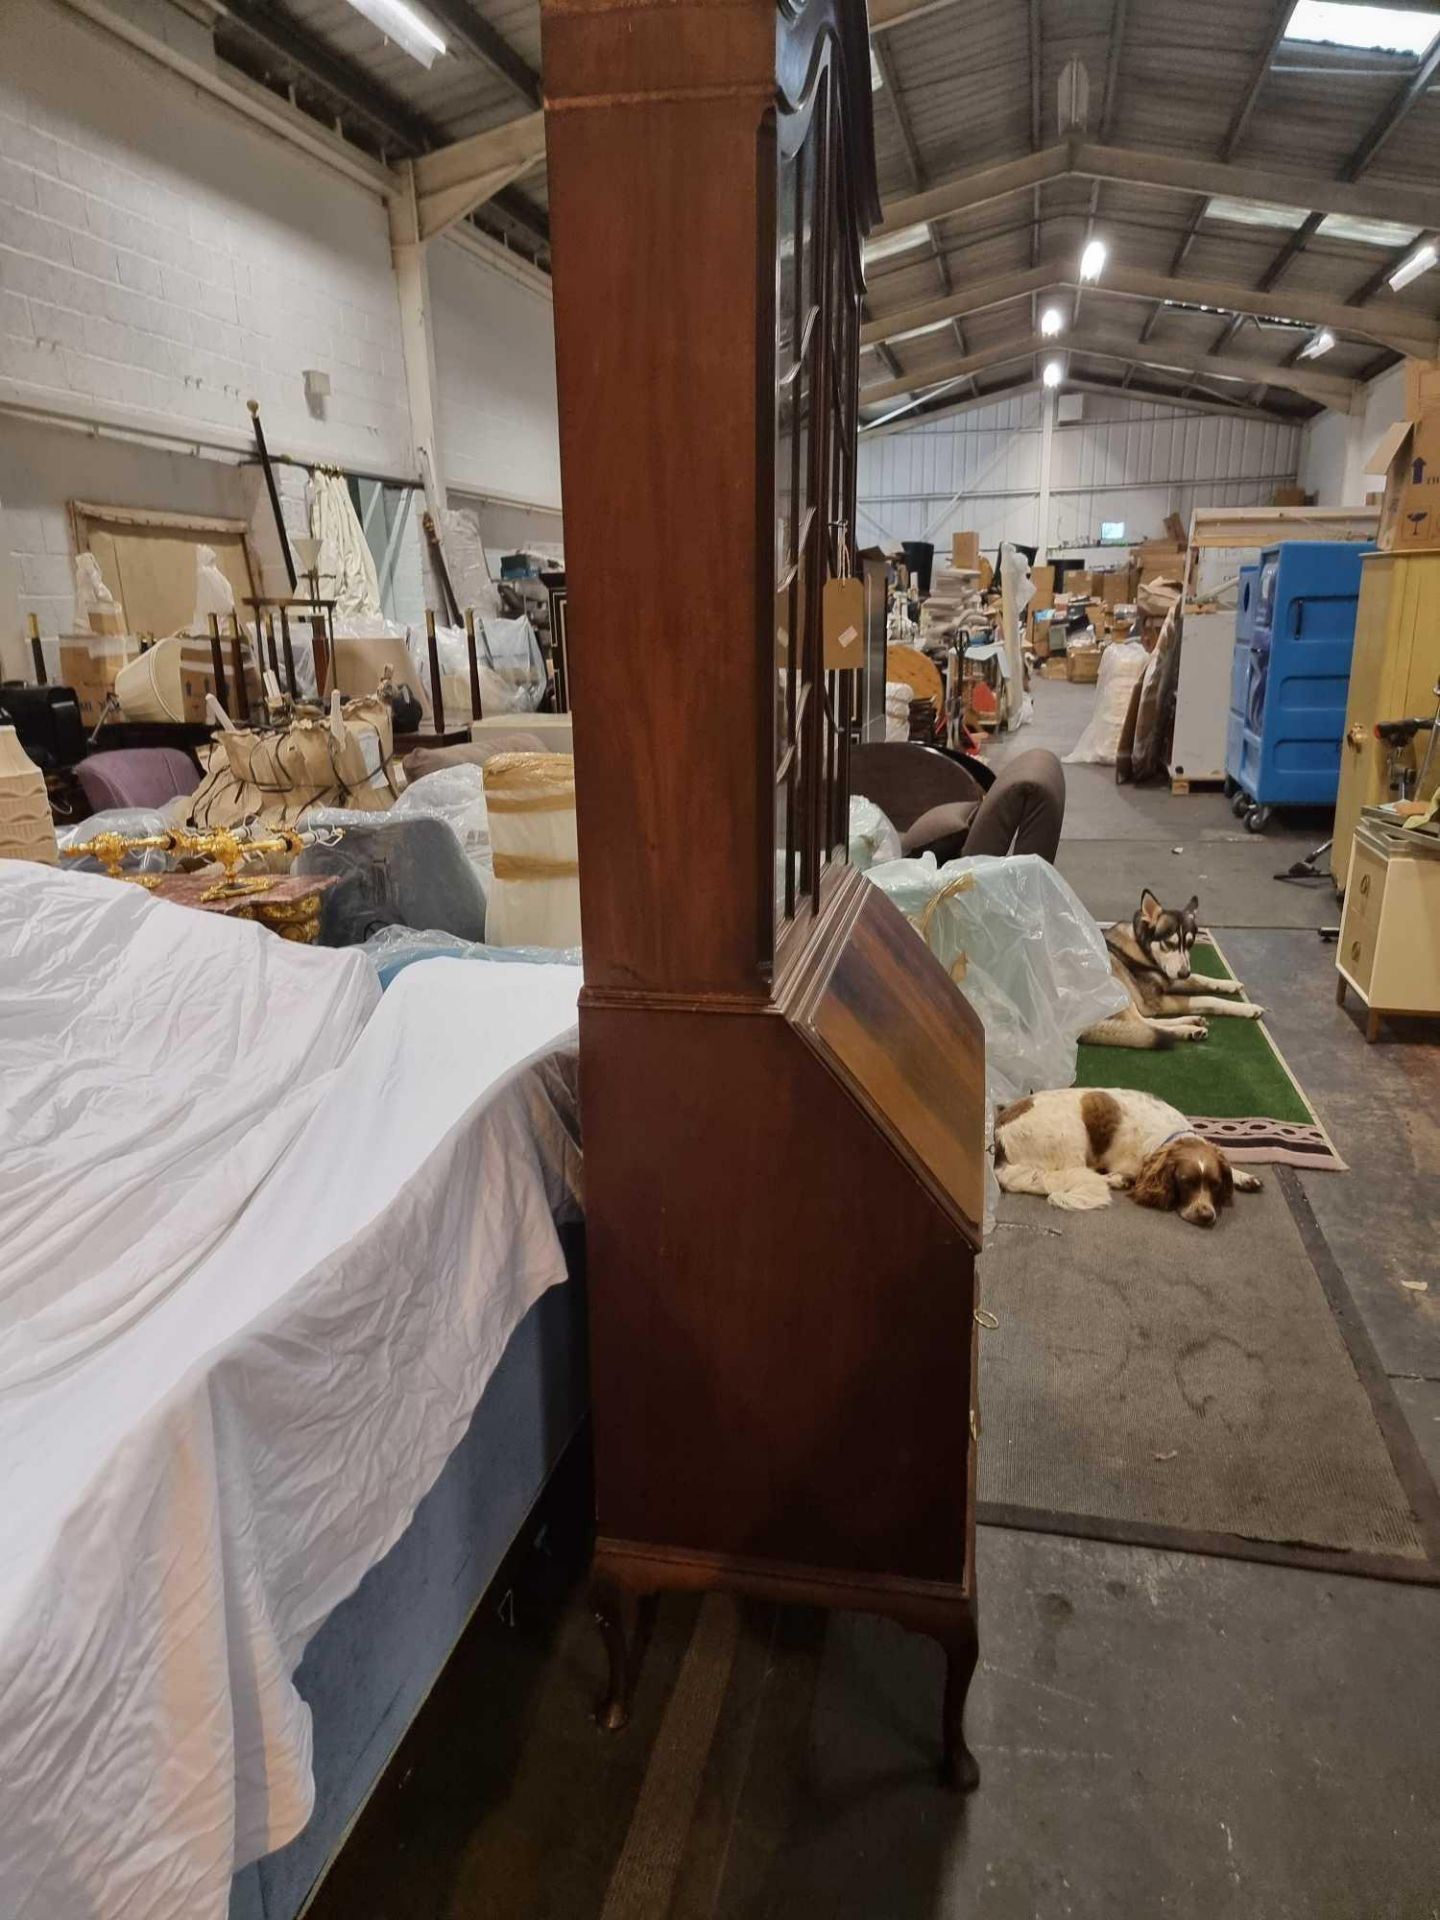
(1420, 261)
(1052, 321)
(1317, 344)
(1092, 260)
(1053, 372)
(405, 27)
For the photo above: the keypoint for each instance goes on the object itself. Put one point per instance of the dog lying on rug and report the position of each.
(1075, 1146)
(1151, 959)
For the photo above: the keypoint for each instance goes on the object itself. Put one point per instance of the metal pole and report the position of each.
(476, 711)
(274, 492)
(437, 697)
(217, 662)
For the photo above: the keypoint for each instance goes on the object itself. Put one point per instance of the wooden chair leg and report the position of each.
(625, 1620)
(1339, 989)
(1372, 1026)
(959, 1769)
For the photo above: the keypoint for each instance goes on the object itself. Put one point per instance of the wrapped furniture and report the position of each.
(535, 896)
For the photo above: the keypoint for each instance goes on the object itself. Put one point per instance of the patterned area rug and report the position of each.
(1235, 1087)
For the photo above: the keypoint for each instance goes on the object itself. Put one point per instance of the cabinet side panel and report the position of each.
(782, 1315)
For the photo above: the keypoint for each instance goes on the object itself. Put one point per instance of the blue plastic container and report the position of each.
(1294, 635)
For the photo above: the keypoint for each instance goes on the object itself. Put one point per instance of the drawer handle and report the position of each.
(1365, 883)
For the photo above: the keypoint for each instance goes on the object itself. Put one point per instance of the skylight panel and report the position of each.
(1254, 213)
(1341, 23)
(1369, 233)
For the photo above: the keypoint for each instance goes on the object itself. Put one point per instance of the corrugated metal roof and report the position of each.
(964, 90)
(968, 88)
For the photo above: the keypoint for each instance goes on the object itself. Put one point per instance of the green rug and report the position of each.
(1234, 1086)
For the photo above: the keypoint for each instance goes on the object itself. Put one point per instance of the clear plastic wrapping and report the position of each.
(1035, 965)
(133, 823)
(1027, 956)
(455, 795)
(873, 840)
(393, 949)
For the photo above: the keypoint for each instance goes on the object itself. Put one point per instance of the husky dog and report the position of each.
(1077, 1146)
(1151, 959)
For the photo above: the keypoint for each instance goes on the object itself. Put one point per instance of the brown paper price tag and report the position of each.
(843, 611)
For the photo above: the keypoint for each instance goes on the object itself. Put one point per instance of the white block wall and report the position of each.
(495, 367)
(1126, 460)
(1336, 446)
(162, 260)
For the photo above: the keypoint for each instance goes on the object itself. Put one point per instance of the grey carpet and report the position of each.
(1233, 878)
(1148, 1371)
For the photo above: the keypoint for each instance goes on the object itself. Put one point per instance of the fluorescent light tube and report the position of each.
(1054, 372)
(1317, 344)
(404, 26)
(1420, 261)
(1052, 321)
(1092, 260)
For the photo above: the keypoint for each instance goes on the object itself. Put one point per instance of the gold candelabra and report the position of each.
(228, 847)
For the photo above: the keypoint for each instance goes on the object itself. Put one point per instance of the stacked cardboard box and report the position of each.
(1408, 457)
(965, 552)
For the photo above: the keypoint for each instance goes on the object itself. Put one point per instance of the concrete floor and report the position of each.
(1159, 1733)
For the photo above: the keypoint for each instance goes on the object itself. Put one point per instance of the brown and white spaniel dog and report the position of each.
(1076, 1145)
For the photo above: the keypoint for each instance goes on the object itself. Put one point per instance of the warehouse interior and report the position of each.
(766, 1244)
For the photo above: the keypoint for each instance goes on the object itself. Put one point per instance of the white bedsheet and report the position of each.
(184, 1507)
(155, 1063)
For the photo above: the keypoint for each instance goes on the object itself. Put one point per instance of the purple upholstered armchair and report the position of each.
(136, 777)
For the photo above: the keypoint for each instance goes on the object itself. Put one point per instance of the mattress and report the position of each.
(188, 1499)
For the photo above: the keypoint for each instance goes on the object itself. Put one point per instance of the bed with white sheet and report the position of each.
(264, 1238)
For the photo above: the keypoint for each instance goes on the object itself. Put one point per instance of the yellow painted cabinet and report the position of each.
(1393, 673)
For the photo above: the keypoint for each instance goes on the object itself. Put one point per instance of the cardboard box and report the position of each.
(1044, 578)
(1176, 530)
(1054, 668)
(1409, 458)
(965, 551)
(88, 666)
(1290, 497)
(1422, 386)
(1082, 664)
(1118, 589)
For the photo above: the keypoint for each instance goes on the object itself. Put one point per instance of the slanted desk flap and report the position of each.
(881, 1012)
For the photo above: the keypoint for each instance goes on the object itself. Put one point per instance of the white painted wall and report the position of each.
(162, 260)
(1127, 460)
(495, 366)
(1336, 446)
(165, 262)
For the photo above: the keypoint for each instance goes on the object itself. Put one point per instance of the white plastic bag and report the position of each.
(898, 695)
(91, 593)
(510, 665)
(1121, 665)
(213, 592)
(873, 839)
